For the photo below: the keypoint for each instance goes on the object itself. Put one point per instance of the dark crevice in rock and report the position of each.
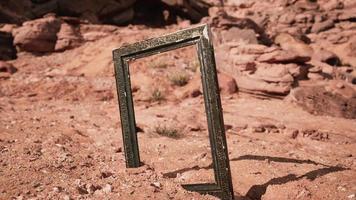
(7, 49)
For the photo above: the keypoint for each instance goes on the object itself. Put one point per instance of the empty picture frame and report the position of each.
(200, 37)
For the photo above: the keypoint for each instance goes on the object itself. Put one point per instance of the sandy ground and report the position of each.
(60, 136)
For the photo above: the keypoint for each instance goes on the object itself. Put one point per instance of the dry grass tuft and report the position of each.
(167, 131)
(179, 79)
(157, 95)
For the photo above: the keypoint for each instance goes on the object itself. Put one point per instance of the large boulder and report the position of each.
(268, 79)
(242, 28)
(336, 98)
(227, 84)
(38, 35)
(290, 43)
(281, 56)
(68, 37)
(261, 70)
(347, 52)
(235, 34)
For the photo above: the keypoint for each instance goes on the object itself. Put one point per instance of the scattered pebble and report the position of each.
(106, 174)
(118, 150)
(107, 188)
(66, 197)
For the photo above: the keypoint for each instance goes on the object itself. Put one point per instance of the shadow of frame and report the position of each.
(257, 191)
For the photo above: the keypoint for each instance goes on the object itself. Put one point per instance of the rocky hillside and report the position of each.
(271, 49)
(286, 72)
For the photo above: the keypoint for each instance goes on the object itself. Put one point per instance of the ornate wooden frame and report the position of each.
(201, 37)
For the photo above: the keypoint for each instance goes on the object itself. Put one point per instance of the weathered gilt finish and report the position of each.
(199, 36)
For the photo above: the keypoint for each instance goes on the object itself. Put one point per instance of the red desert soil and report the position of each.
(60, 131)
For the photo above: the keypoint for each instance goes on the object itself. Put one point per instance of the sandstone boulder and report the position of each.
(280, 56)
(322, 26)
(347, 52)
(331, 5)
(333, 99)
(257, 86)
(68, 37)
(235, 34)
(290, 43)
(348, 14)
(326, 56)
(261, 70)
(38, 35)
(227, 84)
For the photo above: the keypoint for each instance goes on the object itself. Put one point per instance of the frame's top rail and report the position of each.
(180, 36)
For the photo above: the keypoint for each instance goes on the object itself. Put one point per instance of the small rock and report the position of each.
(315, 69)
(287, 18)
(19, 197)
(107, 188)
(66, 197)
(82, 190)
(118, 150)
(57, 189)
(315, 76)
(195, 93)
(106, 174)
(290, 43)
(227, 84)
(340, 85)
(239, 127)
(332, 5)
(259, 129)
(235, 34)
(326, 56)
(227, 127)
(280, 56)
(35, 185)
(293, 134)
(156, 184)
(194, 127)
(341, 188)
(92, 188)
(322, 26)
(281, 126)
(7, 67)
(200, 156)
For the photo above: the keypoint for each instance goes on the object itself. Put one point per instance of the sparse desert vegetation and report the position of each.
(157, 95)
(167, 131)
(286, 72)
(179, 78)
